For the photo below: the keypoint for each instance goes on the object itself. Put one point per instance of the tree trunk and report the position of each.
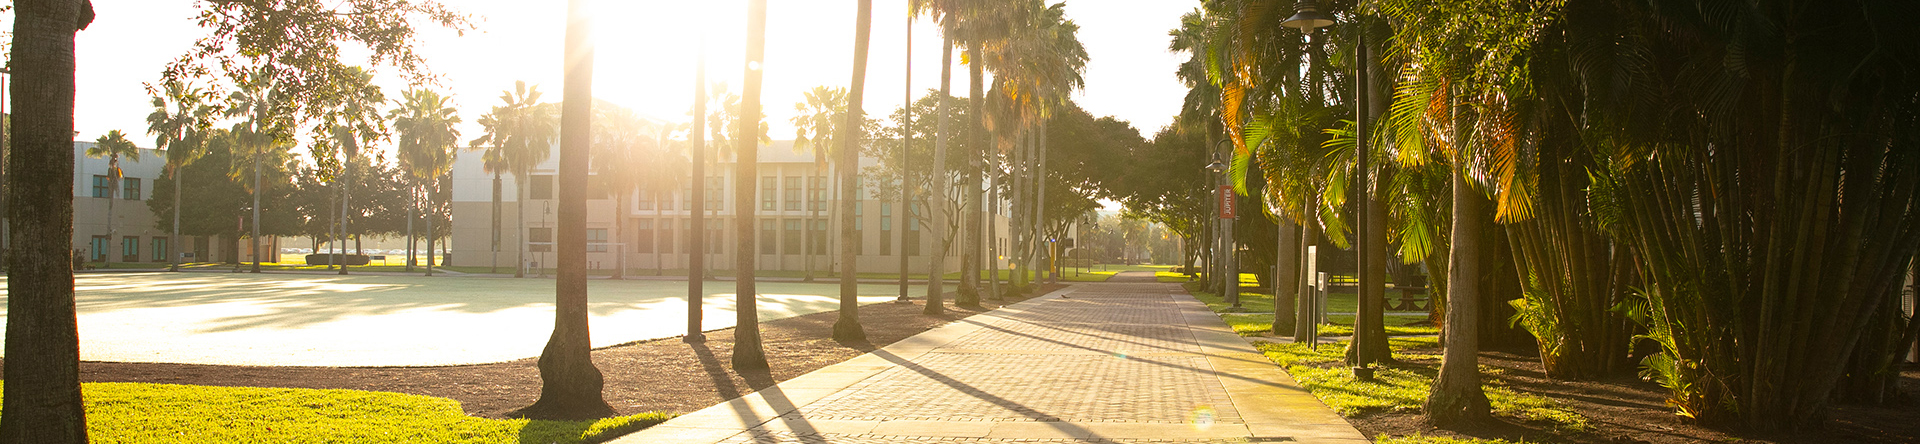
(1307, 305)
(173, 259)
(1043, 259)
(747, 352)
(696, 268)
(113, 189)
(570, 385)
(620, 235)
(346, 201)
(906, 198)
(993, 236)
(520, 225)
(1456, 397)
(936, 266)
(970, 260)
(1286, 276)
(847, 327)
(413, 203)
(429, 212)
(42, 392)
(255, 238)
(493, 265)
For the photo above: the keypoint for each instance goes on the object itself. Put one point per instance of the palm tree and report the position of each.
(937, 267)
(42, 392)
(427, 138)
(817, 113)
(179, 123)
(622, 149)
(747, 352)
(974, 22)
(112, 146)
(493, 160)
(570, 384)
(353, 119)
(847, 327)
(264, 133)
(520, 137)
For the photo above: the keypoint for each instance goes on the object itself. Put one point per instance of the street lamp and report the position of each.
(1308, 18)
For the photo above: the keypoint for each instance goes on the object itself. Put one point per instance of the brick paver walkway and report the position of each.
(1129, 361)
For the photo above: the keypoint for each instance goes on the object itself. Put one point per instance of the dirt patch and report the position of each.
(658, 375)
(1626, 409)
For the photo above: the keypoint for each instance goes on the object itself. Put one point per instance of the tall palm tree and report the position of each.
(264, 132)
(42, 392)
(570, 384)
(817, 114)
(352, 119)
(179, 123)
(937, 267)
(847, 327)
(493, 160)
(522, 131)
(623, 148)
(747, 352)
(975, 22)
(112, 146)
(426, 123)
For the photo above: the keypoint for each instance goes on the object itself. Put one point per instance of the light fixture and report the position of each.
(1216, 166)
(1307, 17)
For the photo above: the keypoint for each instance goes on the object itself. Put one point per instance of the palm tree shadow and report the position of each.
(715, 372)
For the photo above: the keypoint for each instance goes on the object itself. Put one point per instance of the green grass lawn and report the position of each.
(1255, 317)
(167, 413)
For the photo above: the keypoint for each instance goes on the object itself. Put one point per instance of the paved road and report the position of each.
(361, 320)
(1128, 361)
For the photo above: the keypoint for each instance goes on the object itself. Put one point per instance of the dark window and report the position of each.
(817, 194)
(716, 189)
(665, 233)
(819, 240)
(793, 194)
(159, 249)
(645, 199)
(102, 187)
(643, 236)
(130, 188)
(769, 190)
(97, 250)
(597, 240)
(539, 240)
(540, 187)
(769, 237)
(130, 249)
(791, 244)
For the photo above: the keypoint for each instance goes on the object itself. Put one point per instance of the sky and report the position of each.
(645, 52)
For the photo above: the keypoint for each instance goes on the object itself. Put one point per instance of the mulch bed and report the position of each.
(1626, 409)
(657, 375)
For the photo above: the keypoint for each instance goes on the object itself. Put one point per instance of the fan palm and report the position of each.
(623, 148)
(179, 124)
(520, 135)
(426, 123)
(113, 146)
(847, 327)
(265, 133)
(817, 114)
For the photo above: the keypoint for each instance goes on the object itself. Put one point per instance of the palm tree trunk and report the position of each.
(173, 259)
(520, 225)
(427, 212)
(1286, 275)
(993, 237)
(346, 202)
(1042, 261)
(570, 385)
(906, 142)
(747, 352)
(1307, 309)
(937, 265)
(255, 239)
(113, 189)
(970, 261)
(697, 147)
(1456, 397)
(42, 402)
(620, 234)
(847, 327)
(413, 203)
(494, 265)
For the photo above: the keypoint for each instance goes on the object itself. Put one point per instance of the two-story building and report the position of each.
(113, 222)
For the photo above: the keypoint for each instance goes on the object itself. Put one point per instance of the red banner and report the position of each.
(1228, 207)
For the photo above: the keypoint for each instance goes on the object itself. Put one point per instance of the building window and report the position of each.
(540, 187)
(859, 232)
(818, 244)
(160, 249)
(716, 189)
(596, 240)
(97, 250)
(716, 232)
(539, 240)
(665, 236)
(817, 194)
(644, 200)
(769, 190)
(130, 249)
(791, 244)
(102, 187)
(666, 200)
(686, 195)
(686, 242)
(769, 237)
(130, 188)
(643, 236)
(793, 194)
(886, 229)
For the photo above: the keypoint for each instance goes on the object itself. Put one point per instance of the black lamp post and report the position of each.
(1308, 18)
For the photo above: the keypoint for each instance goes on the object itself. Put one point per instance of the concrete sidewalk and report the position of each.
(1102, 362)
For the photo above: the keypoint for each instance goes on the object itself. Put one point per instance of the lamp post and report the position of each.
(1225, 207)
(1307, 18)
